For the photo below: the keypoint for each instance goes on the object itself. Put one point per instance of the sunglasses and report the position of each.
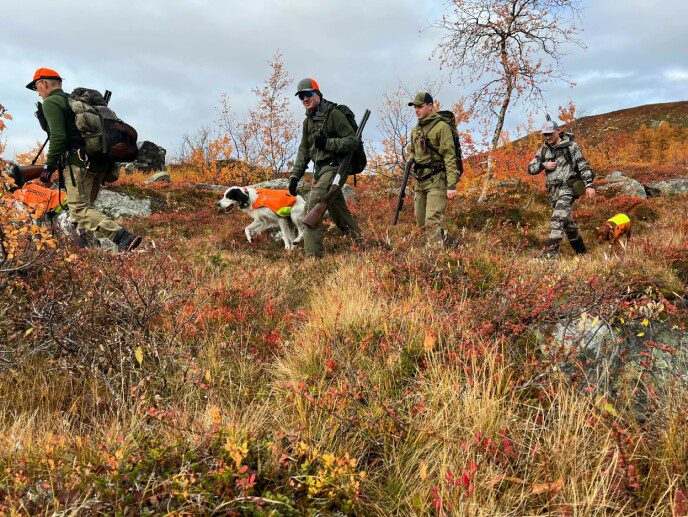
(306, 94)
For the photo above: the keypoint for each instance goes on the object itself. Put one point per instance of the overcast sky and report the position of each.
(168, 61)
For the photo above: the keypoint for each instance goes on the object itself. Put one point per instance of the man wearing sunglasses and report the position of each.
(327, 137)
(83, 179)
(568, 177)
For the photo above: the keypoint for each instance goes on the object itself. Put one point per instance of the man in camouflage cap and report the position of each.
(327, 137)
(432, 149)
(568, 177)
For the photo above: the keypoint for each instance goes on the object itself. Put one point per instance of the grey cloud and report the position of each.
(167, 62)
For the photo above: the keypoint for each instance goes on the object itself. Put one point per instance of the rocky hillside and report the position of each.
(631, 119)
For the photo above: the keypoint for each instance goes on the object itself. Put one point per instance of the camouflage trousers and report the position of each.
(561, 222)
(336, 207)
(82, 190)
(430, 200)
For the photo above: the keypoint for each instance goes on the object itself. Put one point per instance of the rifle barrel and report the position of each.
(313, 217)
(402, 192)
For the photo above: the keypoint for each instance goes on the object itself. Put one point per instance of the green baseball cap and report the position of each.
(421, 98)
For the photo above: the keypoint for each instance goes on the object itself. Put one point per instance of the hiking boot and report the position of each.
(447, 240)
(82, 240)
(551, 250)
(126, 241)
(578, 245)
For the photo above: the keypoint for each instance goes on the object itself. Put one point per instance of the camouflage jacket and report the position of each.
(441, 138)
(571, 164)
(341, 139)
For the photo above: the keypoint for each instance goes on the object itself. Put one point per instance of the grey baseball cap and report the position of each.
(549, 127)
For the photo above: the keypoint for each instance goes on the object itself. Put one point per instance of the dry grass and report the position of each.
(405, 381)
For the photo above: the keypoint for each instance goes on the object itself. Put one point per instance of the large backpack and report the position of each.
(105, 135)
(577, 184)
(448, 118)
(359, 159)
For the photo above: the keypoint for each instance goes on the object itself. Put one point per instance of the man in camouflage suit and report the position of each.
(327, 137)
(568, 177)
(432, 149)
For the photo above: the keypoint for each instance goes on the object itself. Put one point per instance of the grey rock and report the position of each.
(274, 184)
(349, 193)
(678, 186)
(162, 176)
(151, 158)
(122, 206)
(587, 335)
(654, 356)
(211, 188)
(618, 181)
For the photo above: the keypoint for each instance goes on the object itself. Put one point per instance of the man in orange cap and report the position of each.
(326, 137)
(65, 153)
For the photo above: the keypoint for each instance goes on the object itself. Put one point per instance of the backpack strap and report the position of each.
(427, 139)
(569, 160)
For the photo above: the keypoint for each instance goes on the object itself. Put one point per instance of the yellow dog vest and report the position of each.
(619, 224)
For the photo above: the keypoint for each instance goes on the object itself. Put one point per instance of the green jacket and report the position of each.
(341, 139)
(64, 135)
(441, 138)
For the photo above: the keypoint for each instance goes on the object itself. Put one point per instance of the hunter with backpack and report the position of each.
(86, 139)
(328, 137)
(435, 153)
(568, 177)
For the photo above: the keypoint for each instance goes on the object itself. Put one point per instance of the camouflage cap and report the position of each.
(307, 85)
(549, 127)
(421, 98)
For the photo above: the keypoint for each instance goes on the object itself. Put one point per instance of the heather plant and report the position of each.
(207, 374)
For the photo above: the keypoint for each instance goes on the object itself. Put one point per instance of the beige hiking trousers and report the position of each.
(81, 195)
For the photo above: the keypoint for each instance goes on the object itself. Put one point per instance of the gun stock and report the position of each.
(313, 217)
(30, 172)
(21, 174)
(316, 213)
(402, 192)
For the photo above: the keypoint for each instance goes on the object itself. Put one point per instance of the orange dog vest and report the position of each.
(279, 201)
(619, 224)
(41, 199)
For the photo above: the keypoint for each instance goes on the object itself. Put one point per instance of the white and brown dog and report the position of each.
(269, 209)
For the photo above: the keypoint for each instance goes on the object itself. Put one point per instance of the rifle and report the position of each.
(313, 217)
(402, 192)
(23, 173)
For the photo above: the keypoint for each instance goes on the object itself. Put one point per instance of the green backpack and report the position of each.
(448, 117)
(359, 159)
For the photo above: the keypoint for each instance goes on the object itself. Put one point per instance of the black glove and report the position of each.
(320, 141)
(47, 173)
(293, 183)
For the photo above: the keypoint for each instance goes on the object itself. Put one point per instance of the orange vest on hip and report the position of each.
(41, 199)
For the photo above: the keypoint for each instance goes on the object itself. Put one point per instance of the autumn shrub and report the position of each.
(205, 374)
(119, 323)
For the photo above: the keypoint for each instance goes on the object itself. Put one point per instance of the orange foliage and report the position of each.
(246, 151)
(28, 157)
(22, 241)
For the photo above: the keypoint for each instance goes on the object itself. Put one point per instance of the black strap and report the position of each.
(432, 172)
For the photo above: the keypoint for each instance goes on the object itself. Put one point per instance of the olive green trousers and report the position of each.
(336, 207)
(430, 200)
